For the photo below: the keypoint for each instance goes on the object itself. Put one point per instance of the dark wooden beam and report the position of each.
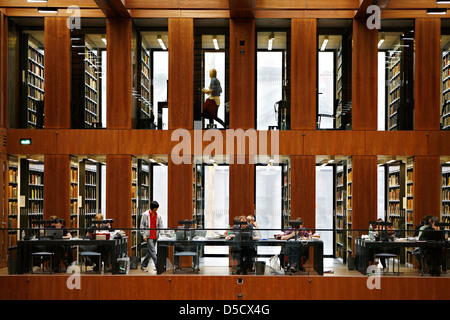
(242, 8)
(113, 8)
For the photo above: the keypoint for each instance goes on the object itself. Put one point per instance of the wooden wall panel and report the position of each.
(400, 143)
(427, 190)
(57, 73)
(242, 188)
(181, 73)
(365, 86)
(180, 207)
(304, 74)
(118, 35)
(303, 189)
(427, 82)
(57, 187)
(242, 73)
(3, 71)
(338, 143)
(365, 197)
(118, 191)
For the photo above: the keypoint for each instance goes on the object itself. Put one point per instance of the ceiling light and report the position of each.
(161, 43)
(437, 11)
(45, 1)
(216, 43)
(442, 2)
(104, 39)
(324, 43)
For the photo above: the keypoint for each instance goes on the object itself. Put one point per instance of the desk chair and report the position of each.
(388, 256)
(85, 254)
(188, 251)
(43, 255)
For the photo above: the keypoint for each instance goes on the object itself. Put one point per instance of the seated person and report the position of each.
(383, 233)
(297, 255)
(63, 254)
(256, 233)
(434, 256)
(242, 255)
(91, 233)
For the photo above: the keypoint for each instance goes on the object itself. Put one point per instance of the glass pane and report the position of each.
(216, 204)
(160, 80)
(268, 203)
(216, 60)
(326, 90)
(445, 78)
(381, 91)
(160, 189)
(381, 195)
(324, 206)
(269, 88)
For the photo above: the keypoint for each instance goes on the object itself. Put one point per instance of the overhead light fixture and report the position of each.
(380, 42)
(270, 43)
(44, 1)
(47, 10)
(216, 43)
(442, 2)
(437, 11)
(161, 43)
(324, 43)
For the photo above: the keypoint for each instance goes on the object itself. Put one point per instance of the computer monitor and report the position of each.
(55, 233)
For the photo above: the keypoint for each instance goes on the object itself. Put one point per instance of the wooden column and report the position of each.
(427, 187)
(181, 73)
(304, 74)
(3, 71)
(57, 187)
(303, 189)
(118, 191)
(364, 192)
(57, 73)
(428, 70)
(365, 76)
(242, 73)
(118, 83)
(242, 188)
(180, 177)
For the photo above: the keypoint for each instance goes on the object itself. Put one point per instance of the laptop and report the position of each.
(55, 233)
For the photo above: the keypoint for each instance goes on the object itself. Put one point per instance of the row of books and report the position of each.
(36, 193)
(36, 178)
(36, 55)
(393, 180)
(35, 93)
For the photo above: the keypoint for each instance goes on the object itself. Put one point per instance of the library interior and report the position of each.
(232, 146)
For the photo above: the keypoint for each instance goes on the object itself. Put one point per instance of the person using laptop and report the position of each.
(297, 255)
(59, 224)
(151, 223)
(63, 254)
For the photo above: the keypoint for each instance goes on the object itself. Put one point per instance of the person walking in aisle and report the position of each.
(151, 223)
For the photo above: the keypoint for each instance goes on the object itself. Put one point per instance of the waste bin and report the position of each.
(260, 267)
(123, 265)
(12, 260)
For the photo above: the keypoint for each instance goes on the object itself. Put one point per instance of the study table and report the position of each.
(364, 248)
(165, 243)
(116, 247)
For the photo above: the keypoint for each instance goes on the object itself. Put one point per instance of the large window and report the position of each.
(273, 75)
(211, 73)
(445, 75)
(396, 79)
(334, 78)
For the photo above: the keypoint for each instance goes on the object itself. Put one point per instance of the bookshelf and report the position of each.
(35, 86)
(286, 192)
(145, 87)
(445, 194)
(134, 178)
(13, 210)
(32, 191)
(88, 191)
(409, 208)
(198, 193)
(91, 88)
(340, 215)
(400, 87)
(396, 186)
(73, 195)
(445, 113)
(349, 207)
(339, 107)
(143, 200)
